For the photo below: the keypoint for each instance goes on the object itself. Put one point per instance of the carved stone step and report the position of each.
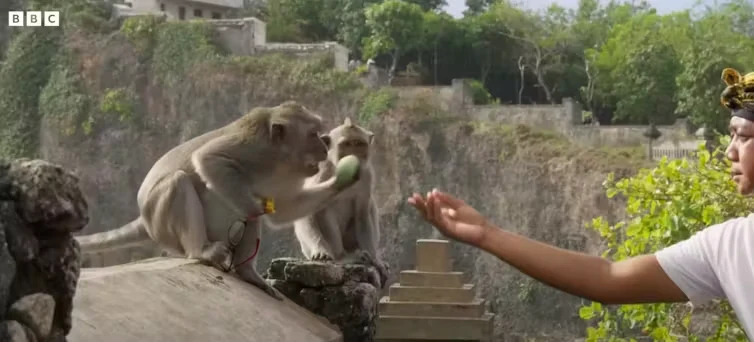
(434, 328)
(431, 279)
(402, 293)
(432, 255)
(390, 307)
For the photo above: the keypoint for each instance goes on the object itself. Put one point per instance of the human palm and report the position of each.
(451, 216)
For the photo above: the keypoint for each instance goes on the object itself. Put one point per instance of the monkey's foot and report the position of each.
(250, 276)
(366, 258)
(217, 254)
(268, 289)
(322, 256)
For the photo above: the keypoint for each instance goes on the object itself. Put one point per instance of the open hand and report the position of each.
(451, 216)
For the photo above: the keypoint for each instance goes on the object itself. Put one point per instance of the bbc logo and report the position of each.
(33, 18)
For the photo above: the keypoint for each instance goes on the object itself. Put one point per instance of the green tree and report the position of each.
(714, 44)
(303, 21)
(542, 40)
(429, 5)
(353, 29)
(476, 7)
(665, 205)
(435, 28)
(395, 28)
(636, 70)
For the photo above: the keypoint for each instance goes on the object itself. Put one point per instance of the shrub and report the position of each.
(665, 205)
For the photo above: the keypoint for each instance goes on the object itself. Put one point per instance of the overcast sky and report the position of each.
(456, 7)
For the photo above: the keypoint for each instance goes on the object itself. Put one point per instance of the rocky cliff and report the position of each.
(115, 101)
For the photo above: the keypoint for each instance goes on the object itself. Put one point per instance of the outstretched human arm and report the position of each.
(636, 280)
(673, 275)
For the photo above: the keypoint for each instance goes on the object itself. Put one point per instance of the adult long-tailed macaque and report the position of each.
(349, 226)
(195, 192)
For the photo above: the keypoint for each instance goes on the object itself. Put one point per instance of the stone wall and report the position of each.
(240, 36)
(564, 118)
(248, 36)
(337, 51)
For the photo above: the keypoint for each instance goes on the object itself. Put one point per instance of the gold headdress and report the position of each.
(738, 96)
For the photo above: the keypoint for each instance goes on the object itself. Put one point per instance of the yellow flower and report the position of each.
(269, 206)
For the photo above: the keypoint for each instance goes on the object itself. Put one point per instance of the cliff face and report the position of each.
(140, 104)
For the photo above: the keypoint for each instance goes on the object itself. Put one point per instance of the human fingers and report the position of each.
(416, 199)
(419, 204)
(448, 199)
(433, 210)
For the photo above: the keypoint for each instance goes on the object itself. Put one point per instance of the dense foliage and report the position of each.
(665, 205)
(625, 62)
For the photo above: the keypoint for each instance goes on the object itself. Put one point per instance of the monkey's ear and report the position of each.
(326, 139)
(347, 122)
(277, 133)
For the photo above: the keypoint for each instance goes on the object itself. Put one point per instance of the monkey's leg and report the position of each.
(248, 270)
(183, 216)
(315, 244)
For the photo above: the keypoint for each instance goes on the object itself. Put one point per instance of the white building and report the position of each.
(187, 9)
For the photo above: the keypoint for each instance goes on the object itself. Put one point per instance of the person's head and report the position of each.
(738, 97)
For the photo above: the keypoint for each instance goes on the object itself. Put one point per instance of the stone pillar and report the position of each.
(345, 294)
(431, 302)
(462, 96)
(573, 112)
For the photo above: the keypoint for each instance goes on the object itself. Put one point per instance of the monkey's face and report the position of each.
(349, 139)
(301, 147)
(356, 146)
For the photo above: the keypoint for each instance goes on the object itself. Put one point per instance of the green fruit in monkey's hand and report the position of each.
(347, 171)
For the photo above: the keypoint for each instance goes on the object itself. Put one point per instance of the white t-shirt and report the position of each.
(717, 263)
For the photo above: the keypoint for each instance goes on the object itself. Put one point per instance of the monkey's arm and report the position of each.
(310, 199)
(222, 174)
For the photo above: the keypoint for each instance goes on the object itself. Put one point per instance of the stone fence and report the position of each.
(248, 36)
(564, 118)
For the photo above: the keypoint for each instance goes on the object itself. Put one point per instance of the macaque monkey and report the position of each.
(349, 226)
(195, 192)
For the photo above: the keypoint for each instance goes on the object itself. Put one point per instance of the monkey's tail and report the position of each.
(132, 234)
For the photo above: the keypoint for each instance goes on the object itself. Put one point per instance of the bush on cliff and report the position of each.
(665, 205)
(31, 61)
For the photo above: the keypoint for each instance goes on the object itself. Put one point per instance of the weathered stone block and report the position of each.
(36, 311)
(435, 328)
(402, 293)
(389, 307)
(345, 294)
(432, 256)
(40, 207)
(431, 279)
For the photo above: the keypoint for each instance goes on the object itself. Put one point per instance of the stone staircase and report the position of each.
(432, 302)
